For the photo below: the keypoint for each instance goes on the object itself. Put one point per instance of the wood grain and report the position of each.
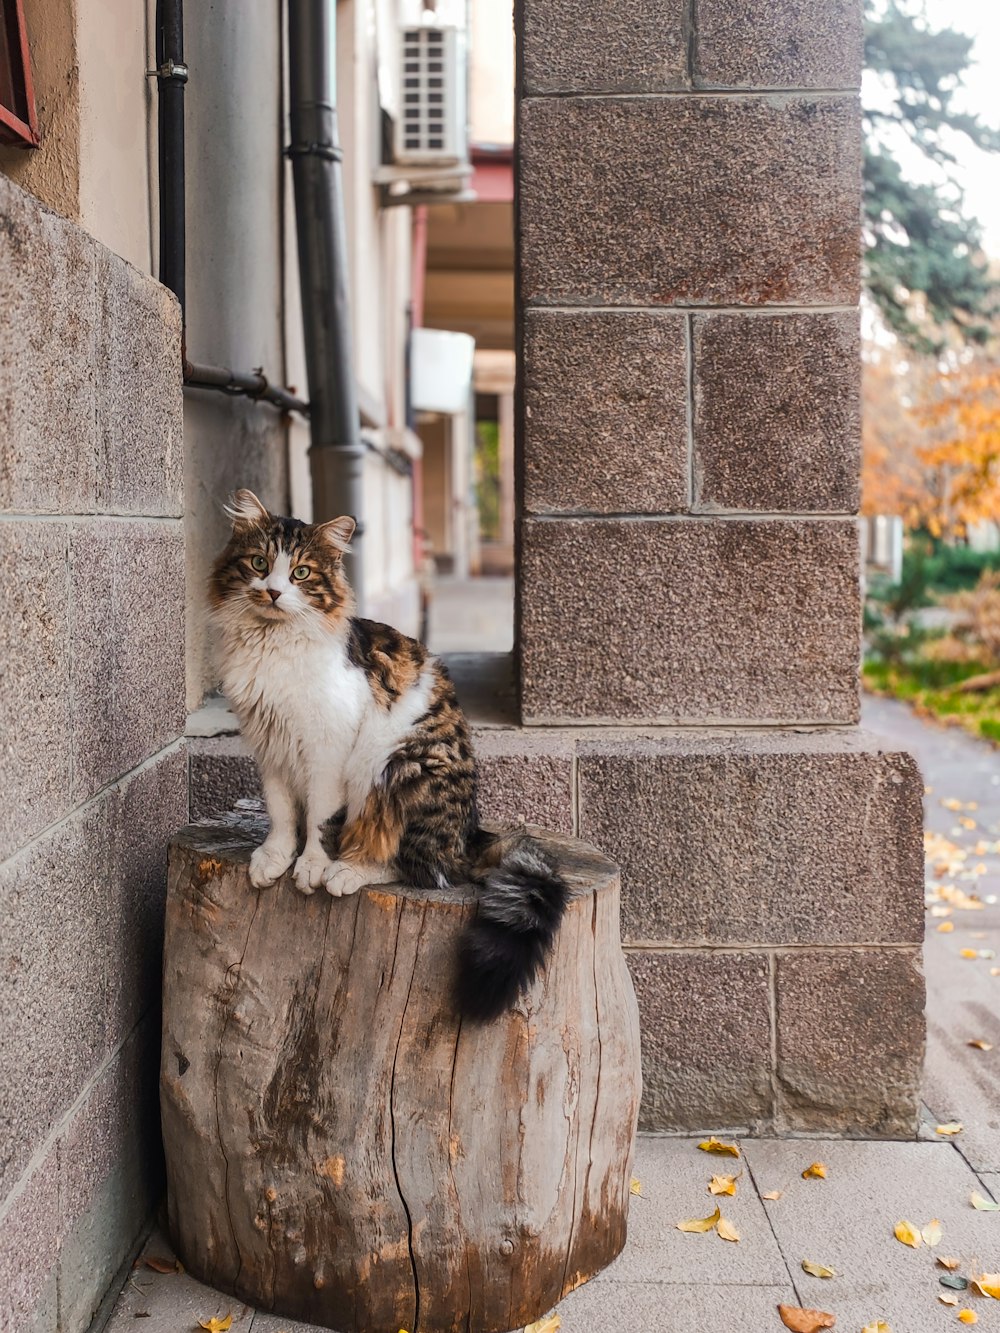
(341, 1148)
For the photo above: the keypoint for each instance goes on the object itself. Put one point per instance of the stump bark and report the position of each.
(340, 1147)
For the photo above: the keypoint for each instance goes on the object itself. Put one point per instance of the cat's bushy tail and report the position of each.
(522, 901)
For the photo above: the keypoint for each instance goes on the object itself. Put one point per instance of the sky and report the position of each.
(978, 173)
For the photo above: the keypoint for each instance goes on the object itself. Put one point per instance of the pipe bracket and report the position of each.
(324, 150)
(171, 71)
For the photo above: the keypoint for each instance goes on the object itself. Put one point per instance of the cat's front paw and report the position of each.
(269, 862)
(341, 878)
(310, 869)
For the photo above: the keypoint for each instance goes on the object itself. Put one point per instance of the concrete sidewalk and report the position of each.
(675, 1282)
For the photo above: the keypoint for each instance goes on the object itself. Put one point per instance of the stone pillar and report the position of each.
(689, 582)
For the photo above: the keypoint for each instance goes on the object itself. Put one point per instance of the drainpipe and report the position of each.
(336, 453)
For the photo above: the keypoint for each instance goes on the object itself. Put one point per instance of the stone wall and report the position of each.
(688, 226)
(94, 775)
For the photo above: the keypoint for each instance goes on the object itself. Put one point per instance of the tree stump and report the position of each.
(340, 1148)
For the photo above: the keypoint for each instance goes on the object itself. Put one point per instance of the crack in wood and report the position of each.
(392, 1107)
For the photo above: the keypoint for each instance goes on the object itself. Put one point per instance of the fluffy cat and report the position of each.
(362, 744)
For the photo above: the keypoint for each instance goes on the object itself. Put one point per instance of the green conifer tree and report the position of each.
(919, 239)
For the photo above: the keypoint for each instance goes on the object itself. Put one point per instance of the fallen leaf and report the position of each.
(948, 1262)
(952, 1127)
(805, 1321)
(877, 1326)
(217, 1325)
(714, 1145)
(932, 1233)
(968, 1317)
(953, 1283)
(987, 1284)
(950, 803)
(700, 1223)
(550, 1325)
(947, 1298)
(722, 1185)
(969, 953)
(979, 1045)
(816, 1270)
(908, 1234)
(983, 1204)
(162, 1265)
(946, 927)
(636, 1186)
(726, 1229)
(815, 1172)
(995, 971)
(142, 1314)
(771, 1195)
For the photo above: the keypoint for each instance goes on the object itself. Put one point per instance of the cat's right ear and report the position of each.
(245, 510)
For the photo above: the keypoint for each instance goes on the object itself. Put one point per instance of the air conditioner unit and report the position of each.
(431, 126)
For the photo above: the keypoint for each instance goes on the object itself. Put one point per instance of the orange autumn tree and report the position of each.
(961, 454)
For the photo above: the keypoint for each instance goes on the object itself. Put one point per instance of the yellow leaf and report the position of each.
(968, 1317)
(815, 1172)
(772, 1194)
(816, 1270)
(550, 1325)
(877, 1326)
(980, 1045)
(726, 1229)
(700, 1223)
(952, 1127)
(946, 927)
(932, 1233)
(982, 1204)
(636, 1186)
(722, 1185)
(714, 1145)
(215, 1325)
(969, 953)
(949, 1263)
(805, 1321)
(988, 1284)
(947, 1298)
(908, 1234)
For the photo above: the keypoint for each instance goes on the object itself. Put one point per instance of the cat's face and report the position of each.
(277, 569)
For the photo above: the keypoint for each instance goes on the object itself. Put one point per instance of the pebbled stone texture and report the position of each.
(128, 645)
(850, 1028)
(143, 814)
(777, 412)
(139, 396)
(48, 463)
(605, 411)
(679, 200)
(53, 958)
(222, 772)
(689, 621)
(525, 779)
(783, 44)
(706, 1039)
(587, 47)
(28, 1248)
(759, 838)
(36, 754)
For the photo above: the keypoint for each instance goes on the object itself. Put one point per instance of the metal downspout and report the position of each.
(336, 453)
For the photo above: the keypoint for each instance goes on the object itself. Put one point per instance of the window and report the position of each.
(17, 98)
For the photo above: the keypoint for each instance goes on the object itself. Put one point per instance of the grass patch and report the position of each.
(930, 688)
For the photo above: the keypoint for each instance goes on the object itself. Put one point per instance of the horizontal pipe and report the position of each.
(254, 385)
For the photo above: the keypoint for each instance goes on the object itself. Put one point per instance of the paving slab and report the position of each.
(171, 1302)
(846, 1222)
(662, 1307)
(674, 1176)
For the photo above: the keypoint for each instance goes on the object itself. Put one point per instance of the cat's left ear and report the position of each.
(337, 533)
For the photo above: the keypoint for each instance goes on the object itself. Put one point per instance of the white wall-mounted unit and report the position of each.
(440, 370)
(431, 126)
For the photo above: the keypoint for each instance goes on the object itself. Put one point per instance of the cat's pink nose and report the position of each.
(274, 593)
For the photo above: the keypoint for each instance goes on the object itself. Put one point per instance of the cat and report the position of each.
(359, 738)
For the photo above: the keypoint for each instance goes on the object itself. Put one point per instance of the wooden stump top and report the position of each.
(341, 1147)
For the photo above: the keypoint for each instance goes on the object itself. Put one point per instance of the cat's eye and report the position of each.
(301, 572)
(259, 563)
